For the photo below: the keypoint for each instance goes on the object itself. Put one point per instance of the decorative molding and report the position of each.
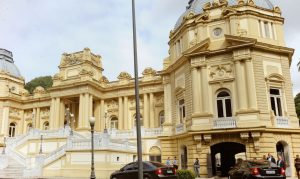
(256, 136)
(198, 138)
(244, 135)
(220, 72)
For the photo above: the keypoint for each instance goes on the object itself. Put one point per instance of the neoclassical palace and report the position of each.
(224, 92)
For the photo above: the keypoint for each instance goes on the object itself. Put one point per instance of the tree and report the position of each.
(43, 81)
(297, 104)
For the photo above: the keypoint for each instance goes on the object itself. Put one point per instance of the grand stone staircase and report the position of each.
(14, 170)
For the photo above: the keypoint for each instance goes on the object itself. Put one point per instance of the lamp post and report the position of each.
(3, 151)
(41, 145)
(72, 123)
(92, 123)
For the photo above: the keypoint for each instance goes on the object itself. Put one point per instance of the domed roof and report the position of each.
(7, 63)
(196, 7)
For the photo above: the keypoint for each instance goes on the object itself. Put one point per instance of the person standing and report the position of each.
(175, 163)
(168, 162)
(271, 158)
(280, 162)
(297, 165)
(197, 167)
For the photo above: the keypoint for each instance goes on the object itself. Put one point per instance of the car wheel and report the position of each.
(114, 178)
(229, 177)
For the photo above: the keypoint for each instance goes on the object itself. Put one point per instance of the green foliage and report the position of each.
(185, 174)
(43, 81)
(297, 104)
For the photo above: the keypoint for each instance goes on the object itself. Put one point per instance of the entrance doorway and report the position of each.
(223, 156)
(282, 149)
(184, 159)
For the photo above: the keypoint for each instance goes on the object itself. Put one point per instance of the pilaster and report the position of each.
(152, 118)
(126, 121)
(251, 85)
(120, 113)
(146, 111)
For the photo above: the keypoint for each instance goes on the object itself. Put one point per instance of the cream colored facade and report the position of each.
(225, 90)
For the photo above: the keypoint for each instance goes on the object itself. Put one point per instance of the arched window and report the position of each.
(224, 104)
(161, 118)
(114, 123)
(12, 129)
(141, 119)
(46, 125)
(29, 127)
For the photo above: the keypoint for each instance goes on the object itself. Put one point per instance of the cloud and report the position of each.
(38, 32)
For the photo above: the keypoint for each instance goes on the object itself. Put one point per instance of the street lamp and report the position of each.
(92, 123)
(41, 145)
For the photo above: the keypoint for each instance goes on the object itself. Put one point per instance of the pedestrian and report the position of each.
(271, 158)
(175, 163)
(168, 162)
(297, 165)
(197, 167)
(280, 162)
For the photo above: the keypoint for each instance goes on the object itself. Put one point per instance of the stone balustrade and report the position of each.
(129, 134)
(224, 123)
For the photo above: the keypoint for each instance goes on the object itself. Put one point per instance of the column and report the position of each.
(205, 104)
(146, 111)
(126, 121)
(168, 103)
(5, 122)
(81, 111)
(120, 119)
(52, 114)
(91, 107)
(201, 101)
(240, 86)
(152, 117)
(195, 91)
(38, 119)
(34, 118)
(62, 109)
(102, 115)
(57, 112)
(97, 114)
(250, 85)
(75, 117)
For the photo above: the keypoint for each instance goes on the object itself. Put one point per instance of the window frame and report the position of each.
(277, 112)
(12, 129)
(223, 100)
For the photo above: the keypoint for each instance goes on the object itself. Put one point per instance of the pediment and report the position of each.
(233, 41)
(200, 47)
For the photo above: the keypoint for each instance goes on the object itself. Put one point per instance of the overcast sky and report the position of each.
(39, 31)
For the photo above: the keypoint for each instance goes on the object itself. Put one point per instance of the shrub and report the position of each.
(185, 174)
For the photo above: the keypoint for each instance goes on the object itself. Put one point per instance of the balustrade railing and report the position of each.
(224, 123)
(282, 121)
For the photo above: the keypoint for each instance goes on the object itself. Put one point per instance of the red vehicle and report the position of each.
(151, 170)
(256, 169)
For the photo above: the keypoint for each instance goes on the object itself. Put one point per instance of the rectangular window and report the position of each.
(275, 99)
(267, 30)
(220, 108)
(228, 108)
(181, 106)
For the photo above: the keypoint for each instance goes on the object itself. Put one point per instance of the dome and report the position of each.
(7, 64)
(196, 7)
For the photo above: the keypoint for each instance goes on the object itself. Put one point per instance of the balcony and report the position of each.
(224, 123)
(282, 122)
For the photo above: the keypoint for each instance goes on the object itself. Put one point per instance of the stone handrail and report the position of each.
(15, 155)
(54, 155)
(224, 123)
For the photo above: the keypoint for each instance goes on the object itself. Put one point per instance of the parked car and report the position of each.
(151, 170)
(256, 169)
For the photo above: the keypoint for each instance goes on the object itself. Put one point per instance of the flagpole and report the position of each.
(137, 96)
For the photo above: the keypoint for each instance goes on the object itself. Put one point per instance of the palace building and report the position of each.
(224, 92)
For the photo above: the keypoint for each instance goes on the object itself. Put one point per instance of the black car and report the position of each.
(256, 169)
(151, 170)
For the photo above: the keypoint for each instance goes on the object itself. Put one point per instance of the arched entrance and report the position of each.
(223, 156)
(282, 149)
(155, 154)
(183, 157)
